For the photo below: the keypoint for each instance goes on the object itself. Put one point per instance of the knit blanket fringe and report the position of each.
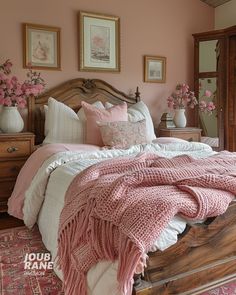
(116, 209)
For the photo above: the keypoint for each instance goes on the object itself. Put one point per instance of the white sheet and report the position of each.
(102, 277)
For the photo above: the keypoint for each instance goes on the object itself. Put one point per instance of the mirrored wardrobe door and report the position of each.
(208, 84)
(215, 80)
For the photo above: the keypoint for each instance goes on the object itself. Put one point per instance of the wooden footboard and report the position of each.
(204, 256)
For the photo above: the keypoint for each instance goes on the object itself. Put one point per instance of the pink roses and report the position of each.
(14, 93)
(207, 106)
(182, 97)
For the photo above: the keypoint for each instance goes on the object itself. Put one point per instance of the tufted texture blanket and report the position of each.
(117, 208)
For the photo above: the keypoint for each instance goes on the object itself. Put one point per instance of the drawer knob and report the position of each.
(190, 139)
(12, 149)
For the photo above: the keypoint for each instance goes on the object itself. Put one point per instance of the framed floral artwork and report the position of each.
(99, 42)
(154, 69)
(41, 47)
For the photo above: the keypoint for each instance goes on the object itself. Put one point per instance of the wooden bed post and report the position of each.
(137, 94)
(141, 287)
(31, 106)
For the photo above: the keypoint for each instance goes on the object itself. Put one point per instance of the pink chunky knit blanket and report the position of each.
(116, 209)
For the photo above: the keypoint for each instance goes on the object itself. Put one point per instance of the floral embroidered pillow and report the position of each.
(123, 134)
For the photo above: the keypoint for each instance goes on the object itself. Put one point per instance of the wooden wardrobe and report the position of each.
(215, 68)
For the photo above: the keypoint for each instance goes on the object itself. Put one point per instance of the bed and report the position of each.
(205, 254)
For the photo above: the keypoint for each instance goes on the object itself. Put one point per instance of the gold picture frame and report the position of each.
(41, 47)
(99, 42)
(154, 69)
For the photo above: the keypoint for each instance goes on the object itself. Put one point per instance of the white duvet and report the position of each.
(44, 202)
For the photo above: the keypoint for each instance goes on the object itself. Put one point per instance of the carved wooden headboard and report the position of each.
(72, 93)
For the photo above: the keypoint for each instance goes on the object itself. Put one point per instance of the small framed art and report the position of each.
(154, 69)
(99, 42)
(41, 47)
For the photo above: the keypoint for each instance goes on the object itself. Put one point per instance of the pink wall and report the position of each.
(148, 27)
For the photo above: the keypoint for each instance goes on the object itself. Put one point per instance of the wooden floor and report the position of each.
(7, 221)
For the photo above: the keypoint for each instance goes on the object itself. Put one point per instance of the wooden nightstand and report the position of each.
(15, 148)
(188, 133)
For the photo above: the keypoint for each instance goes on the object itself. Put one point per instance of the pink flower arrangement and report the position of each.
(182, 98)
(14, 93)
(207, 106)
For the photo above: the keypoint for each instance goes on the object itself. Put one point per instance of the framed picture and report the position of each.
(99, 42)
(41, 47)
(154, 69)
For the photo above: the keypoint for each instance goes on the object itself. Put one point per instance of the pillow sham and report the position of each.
(98, 104)
(166, 140)
(46, 122)
(138, 112)
(115, 113)
(63, 125)
(123, 134)
(81, 114)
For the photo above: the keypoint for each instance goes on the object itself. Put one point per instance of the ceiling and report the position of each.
(215, 3)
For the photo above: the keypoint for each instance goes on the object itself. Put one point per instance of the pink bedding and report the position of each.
(28, 171)
(125, 203)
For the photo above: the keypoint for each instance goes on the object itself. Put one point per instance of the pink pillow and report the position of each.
(93, 114)
(123, 134)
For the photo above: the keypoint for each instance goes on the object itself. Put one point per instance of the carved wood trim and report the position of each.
(204, 255)
(217, 34)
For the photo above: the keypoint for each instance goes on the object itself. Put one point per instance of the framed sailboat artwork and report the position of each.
(41, 47)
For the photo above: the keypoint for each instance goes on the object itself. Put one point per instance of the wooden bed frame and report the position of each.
(72, 93)
(205, 254)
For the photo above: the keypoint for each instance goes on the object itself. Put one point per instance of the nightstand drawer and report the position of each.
(12, 149)
(188, 136)
(188, 133)
(10, 168)
(15, 148)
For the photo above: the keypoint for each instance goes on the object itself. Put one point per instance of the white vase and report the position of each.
(11, 120)
(179, 118)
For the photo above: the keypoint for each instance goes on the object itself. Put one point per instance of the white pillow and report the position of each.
(166, 140)
(138, 112)
(46, 122)
(108, 105)
(63, 125)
